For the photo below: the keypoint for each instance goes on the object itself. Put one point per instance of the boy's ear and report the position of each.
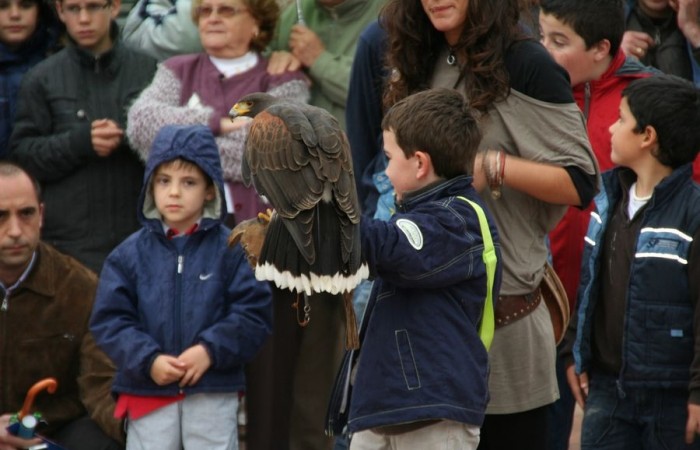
(116, 7)
(210, 194)
(601, 50)
(650, 138)
(425, 164)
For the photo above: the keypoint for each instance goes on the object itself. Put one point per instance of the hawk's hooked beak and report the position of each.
(238, 110)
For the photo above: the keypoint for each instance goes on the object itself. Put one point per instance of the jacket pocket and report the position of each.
(52, 355)
(668, 335)
(407, 359)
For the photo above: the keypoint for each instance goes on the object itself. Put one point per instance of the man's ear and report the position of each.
(601, 50)
(425, 164)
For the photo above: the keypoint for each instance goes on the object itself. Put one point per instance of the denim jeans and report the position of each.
(634, 418)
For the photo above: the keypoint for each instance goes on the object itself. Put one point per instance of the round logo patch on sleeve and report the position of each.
(412, 232)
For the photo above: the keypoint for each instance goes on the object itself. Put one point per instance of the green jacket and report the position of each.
(44, 333)
(339, 29)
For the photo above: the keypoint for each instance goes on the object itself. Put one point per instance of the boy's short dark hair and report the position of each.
(671, 105)
(593, 20)
(184, 163)
(438, 122)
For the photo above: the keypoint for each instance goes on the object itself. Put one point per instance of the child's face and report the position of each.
(180, 192)
(568, 49)
(89, 22)
(402, 171)
(18, 20)
(625, 142)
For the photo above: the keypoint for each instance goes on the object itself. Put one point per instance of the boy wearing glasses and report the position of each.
(69, 132)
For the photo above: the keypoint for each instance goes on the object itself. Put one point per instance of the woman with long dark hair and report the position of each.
(534, 160)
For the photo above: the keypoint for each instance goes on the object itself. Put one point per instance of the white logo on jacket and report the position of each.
(412, 232)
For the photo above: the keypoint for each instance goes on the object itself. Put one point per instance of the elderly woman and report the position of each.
(201, 87)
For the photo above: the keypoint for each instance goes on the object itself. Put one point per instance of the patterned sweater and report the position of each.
(171, 99)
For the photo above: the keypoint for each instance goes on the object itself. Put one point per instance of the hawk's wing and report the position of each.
(294, 154)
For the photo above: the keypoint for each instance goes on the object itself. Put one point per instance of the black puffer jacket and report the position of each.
(90, 201)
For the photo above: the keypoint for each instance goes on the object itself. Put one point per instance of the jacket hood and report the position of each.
(193, 143)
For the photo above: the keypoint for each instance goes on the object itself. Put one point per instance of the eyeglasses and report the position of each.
(205, 11)
(90, 8)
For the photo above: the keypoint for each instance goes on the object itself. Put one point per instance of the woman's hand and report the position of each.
(281, 62)
(228, 125)
(636, 43)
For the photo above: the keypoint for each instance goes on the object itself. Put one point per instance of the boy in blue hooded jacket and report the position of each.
(421, 373)
(177, 310)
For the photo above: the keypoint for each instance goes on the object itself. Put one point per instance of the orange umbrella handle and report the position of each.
(50, 384)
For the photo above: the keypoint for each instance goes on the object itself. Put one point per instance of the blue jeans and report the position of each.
(634, 419)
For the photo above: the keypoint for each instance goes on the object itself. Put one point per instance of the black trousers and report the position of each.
(84, 434)
(522, 431)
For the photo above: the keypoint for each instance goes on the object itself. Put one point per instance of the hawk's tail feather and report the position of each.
(282, 263)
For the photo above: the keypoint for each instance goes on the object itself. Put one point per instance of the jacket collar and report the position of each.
(106, 62)
(42, 278)
(452, 186)
(620, 66)
(663, 192)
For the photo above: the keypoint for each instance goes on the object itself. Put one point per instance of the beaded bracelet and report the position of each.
(494, 175)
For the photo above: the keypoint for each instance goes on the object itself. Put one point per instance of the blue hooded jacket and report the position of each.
(15, 62)
(160, 296)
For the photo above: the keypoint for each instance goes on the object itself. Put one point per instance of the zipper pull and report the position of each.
(5, 299)
(180, 258)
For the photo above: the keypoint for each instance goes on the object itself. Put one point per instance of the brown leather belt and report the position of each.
(510, 308)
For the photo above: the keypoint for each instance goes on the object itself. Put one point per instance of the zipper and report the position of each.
(587, 100)
(178, 301)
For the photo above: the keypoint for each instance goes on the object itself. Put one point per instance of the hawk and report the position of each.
(298, 157)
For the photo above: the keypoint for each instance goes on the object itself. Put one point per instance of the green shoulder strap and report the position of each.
(488, 324)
